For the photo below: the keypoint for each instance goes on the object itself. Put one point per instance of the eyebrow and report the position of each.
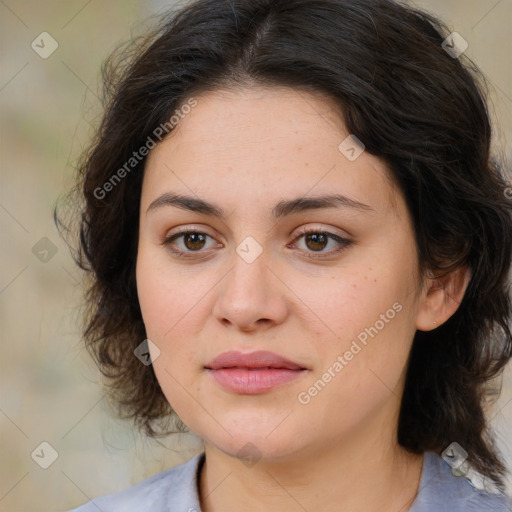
(280, 210)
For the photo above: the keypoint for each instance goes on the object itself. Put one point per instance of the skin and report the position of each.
(245, 150)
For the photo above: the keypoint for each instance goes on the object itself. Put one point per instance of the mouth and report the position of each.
(253, 373)
(260, 360)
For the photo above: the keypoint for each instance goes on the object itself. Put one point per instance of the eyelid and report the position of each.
(188, 229)
(342, 241)
(169, 239)
(312, 228)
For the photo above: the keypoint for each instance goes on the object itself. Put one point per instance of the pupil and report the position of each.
(199, 238)
(315, 238)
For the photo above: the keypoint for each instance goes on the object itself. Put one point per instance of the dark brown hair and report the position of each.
(414, 105)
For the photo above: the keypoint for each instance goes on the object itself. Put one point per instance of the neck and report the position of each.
(360, 473)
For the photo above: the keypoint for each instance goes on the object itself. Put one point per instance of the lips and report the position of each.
(254, 373)
(254, 360)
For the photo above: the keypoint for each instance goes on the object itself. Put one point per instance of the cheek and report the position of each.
(168, 316)
(166, 296)
(362, 368)
(341, 307)
(366, 316)
(172, 303)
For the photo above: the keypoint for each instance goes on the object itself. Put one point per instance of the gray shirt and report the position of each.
(176, 490)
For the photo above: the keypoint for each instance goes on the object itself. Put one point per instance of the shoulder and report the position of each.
(441, 491)
(172, 490)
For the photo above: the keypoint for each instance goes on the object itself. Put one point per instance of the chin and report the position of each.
(253, 444)
(250, 452)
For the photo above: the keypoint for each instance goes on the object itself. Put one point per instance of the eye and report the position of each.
(192, 239)
(316, 240)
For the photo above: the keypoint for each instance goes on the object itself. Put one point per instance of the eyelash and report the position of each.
(344, 243)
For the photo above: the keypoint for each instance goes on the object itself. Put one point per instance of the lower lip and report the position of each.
(253, 382)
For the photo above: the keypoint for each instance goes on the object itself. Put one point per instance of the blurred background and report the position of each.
(50, 54)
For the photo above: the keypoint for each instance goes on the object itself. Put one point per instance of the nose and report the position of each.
(252, 296)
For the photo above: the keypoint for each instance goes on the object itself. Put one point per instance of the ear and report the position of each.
(441, 297)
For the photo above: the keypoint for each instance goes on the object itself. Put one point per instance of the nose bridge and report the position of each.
(248, 278)
(248, 295)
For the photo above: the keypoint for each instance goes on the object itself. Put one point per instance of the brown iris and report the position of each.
(196, 240)
(318, 239)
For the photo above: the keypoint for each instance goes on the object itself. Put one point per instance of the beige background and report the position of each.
(50, 389)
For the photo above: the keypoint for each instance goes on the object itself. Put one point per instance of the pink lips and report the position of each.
(252, 373)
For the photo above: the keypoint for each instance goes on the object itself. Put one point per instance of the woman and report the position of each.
(299, 247)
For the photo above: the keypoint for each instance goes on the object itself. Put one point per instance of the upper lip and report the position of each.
(259, 359)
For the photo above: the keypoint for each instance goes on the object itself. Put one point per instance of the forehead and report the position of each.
(261, 143)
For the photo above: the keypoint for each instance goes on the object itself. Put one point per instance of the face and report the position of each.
(339, 301)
